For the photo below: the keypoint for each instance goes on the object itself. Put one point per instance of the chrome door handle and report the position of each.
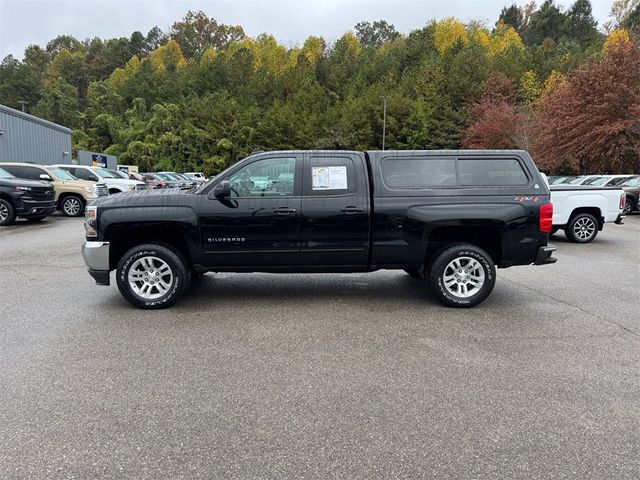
(352, 210)
(284, 210)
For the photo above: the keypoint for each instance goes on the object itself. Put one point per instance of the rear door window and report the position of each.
(419, 172)
(491, 172)
(330, 175)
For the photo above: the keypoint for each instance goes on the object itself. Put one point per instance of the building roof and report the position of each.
(31, 118)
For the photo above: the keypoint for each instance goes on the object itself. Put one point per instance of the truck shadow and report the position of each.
(257, 288)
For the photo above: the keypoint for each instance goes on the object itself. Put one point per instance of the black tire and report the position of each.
(628, 206)
(413, 272)
(7, 213)
(466, 254)
(72, 206)
(176, 284)
(36, 219)
(582, 228)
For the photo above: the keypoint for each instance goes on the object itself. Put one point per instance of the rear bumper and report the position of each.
(544, 255)
(96, 257)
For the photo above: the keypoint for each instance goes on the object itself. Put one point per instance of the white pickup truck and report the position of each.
(581, 211)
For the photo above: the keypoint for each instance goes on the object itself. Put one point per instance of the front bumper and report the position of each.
(34, 208)
(544, 255)
(96, 257)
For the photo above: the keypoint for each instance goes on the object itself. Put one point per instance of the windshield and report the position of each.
(104, 173)
(634, 182)
(597, 181)
(61, 174)
(120, 174)
(574, 181)
(619, 181)
(165, 176)
(5, 174)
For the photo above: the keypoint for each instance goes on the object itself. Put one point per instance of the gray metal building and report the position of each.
(25, 138)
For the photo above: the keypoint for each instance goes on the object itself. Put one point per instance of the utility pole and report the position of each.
(384, 121)
(23, 103)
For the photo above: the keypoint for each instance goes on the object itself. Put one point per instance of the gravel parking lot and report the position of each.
(346, 376)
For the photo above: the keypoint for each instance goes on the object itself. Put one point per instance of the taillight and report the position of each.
(546, 218)
(623, 201)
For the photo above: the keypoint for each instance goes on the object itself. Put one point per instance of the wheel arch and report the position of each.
(595, 211)
(485, 237)
(64, 195)
(123, 237)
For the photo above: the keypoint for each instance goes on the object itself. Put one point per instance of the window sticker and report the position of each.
(329, 178)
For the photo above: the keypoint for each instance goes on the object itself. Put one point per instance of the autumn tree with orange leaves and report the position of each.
(497, 122)
(591, 123)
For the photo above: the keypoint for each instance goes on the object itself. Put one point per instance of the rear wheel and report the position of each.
(72, 206)
(151, 276)
(7, 213)
(462, 276)
(582, 228)
(628, 206)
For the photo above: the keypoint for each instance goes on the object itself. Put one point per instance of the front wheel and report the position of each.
(151, 276)
(72, 206)
(7, 213)
(628, 206)
(462, 276)
(582, 228)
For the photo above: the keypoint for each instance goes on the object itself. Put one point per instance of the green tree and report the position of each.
(375, 34)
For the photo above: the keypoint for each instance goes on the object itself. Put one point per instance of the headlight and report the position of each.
(131, 188)
(24, 189)
(91, 221)
(90, 189)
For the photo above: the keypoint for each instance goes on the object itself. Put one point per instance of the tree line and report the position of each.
(203, 94)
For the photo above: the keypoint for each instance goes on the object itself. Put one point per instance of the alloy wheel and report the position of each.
(463, 277)
(72, 206)
(584, 228)
(4, 212)
(150, 278)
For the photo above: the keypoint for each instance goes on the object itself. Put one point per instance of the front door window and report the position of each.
(272, 177)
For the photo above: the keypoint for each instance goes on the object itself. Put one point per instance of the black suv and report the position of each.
(28, 199)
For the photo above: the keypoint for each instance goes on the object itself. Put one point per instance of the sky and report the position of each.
(25, 22)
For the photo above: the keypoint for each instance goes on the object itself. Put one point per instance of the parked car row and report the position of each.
(630, 184)
(70, 194)
(34, 191)
(169, 180)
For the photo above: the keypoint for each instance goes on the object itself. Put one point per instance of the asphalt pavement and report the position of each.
(320, 376)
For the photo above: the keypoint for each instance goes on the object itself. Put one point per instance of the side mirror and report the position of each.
(222, 190)
(44, 176)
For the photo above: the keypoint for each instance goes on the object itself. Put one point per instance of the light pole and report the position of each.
(23, 103)
(384, 120)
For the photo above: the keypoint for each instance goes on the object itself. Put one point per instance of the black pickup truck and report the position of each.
(447, 217)
(29, 199)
